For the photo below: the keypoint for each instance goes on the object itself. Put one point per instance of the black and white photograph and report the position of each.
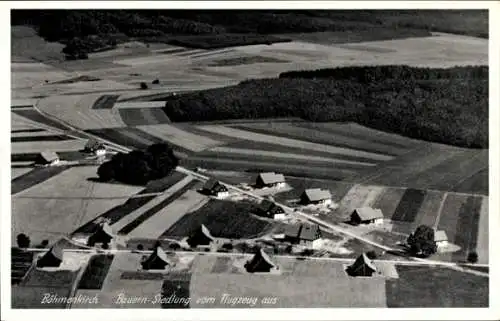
(265, 158)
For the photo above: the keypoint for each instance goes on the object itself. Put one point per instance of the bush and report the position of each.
(144, 85)
(140, 247)
(139, 167)
(372, 255)
(472, 257)
(23, 241)
(174, 246)
(227, 246)
(421, 242)
(156, 82)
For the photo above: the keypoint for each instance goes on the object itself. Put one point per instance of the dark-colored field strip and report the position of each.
(105, 102)
(426, 287)
(21, 106)
(467, 227)
(132, 204)
(174, 50)
(409, 205)
(34, 177)
(141, 275)
(59, 279)
(479, 183)
(143, 116)
(155, 209)
(254, 167)
(20, 264)
(369, 135)
(31, 130)
(178, 286)
(248, 144)
(96, 272)
(448, 218)
(35, 116)
(33, 297)
(48, 138)
(193, 130)
(366, 147)
(389, 200)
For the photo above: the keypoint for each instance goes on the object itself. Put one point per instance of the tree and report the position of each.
(472, 257)
(144, 85)
(421, 242)
(156, 82)
(23, 241)
(106, 171)
(140, 247)
(161, 159)
(227, 246)
(157, 244)
(44, 243)
(174, 246)
(372, 255)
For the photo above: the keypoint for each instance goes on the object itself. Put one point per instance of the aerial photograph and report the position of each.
(202, 159)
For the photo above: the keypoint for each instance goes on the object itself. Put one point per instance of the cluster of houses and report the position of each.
(51, 158)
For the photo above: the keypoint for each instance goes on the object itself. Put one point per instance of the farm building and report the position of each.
(302, 234)
(53, 258)
(367, 215)
(270, 179)
(103, 235)
(363, 266)
(440, 238)
(201, 237)
(215, 188)
(261, 262)
(47, 158)
(271, 210)
(316, 196)
(95, 147)
(157, 260)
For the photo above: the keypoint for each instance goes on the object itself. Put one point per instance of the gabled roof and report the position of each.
(213, 184)
(317, 194)
(309, 232)
(206, 231)
(106, 228)
(265, 257)
(368, 213)
(265, 205)
(49, 156)
(56, 251)
(293, 230)
(363, 260)
(440, 236)
(91, 143)
(271, 178)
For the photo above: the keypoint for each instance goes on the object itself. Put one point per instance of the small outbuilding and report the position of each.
(440, 238)
(271, 210)
(52, 258)
(47, 158)
(363, 266)
(158, 260)
(270, 179)
(215, 188)
(367, 215)
(200, 237)
(302, 234)
(95, 147)
(103, 235)
(260, 263)
(316, 196)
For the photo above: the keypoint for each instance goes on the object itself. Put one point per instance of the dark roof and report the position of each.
(293, 230)
(210, 184)
(57, 251)
(271, 178)
(317, 194)
(363, 262)
(266, 205)
(309, 232)
(368, 213)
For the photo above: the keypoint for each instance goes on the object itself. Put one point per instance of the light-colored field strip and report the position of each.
(140, 104)
(157, 200)
(279, 155)
(482, 247)
(16, 172)
(31, 134)
(23, 102)
(429, 211)
(232, 132)
(358, 196)
(166, 217)
(55, 146)
(440, 209)
(179, 137)
(158, 59)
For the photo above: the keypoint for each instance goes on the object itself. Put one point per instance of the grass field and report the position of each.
(95, 273)
(224, 219)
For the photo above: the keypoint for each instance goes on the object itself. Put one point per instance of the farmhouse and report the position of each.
(271, 210)
(261, 262)
(53, 258)
(47, 158)
(200, 237)
(157, 260)
(302, 234)
(270, 179)
(102, 235)
(95, 147)
(440, 238)
(363, 266)
(367, 215)
(215, 188)
(316, 196)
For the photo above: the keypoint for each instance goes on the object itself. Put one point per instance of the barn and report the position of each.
(158, 260)
(271, 210)
(53, 258)
(316, 196)
(95, 147)
(102, 235)
(270, 179)
(367, 215)
(215, 188)
(302, 234)
(200, 237)
(260, 263)
(363, 266)
(47, 158)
